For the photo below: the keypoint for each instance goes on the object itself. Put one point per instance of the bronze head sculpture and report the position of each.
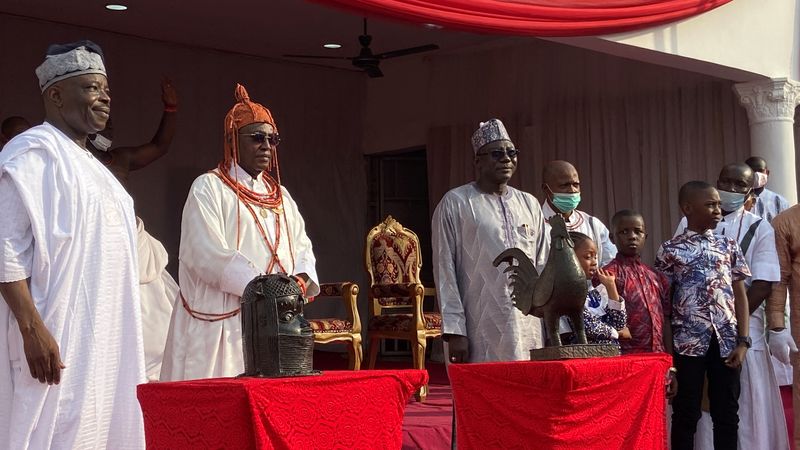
(560, 290)
(277, 341)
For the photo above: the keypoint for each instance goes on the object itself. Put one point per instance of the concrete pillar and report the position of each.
(770, 107)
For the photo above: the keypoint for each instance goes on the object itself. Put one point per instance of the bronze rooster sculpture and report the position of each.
(561, 288)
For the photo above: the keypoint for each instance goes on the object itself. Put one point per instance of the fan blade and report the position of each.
(317, 57)
(373, 71)
(407, 51)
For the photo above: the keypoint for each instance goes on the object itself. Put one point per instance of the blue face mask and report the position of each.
(731, 201)
(566, 202)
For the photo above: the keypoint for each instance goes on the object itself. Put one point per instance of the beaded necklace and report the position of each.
(272, 200)
(578, 220)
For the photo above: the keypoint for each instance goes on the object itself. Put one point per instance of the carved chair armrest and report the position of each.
(338, 289)
(348, 292)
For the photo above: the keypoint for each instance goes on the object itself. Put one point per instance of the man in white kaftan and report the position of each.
(472, 225)
(768, 205)
(68, 274)
(762, 424)
(222, 249)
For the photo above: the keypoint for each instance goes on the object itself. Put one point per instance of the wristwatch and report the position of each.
(744, 340)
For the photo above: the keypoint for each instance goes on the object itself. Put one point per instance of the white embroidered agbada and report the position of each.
(158, 292)
(470, 228)
(69, 226)
(762, 424)
(213, 274)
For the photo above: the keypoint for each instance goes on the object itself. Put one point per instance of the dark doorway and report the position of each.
(398, 186)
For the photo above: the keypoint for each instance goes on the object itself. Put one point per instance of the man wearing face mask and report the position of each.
(122, 160)
(562, 190)
(762, 424)
(768, 203)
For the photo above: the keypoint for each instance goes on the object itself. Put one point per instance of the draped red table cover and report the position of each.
(338, 409)
(534, 17)
(580, 404)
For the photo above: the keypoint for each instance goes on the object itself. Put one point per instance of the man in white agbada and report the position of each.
(768, 205)
(562, 190)
(70, 327)
(762, 424)
(473, 224)
(238, 223)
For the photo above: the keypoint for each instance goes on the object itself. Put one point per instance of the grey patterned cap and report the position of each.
(70, 60)
(489, 131)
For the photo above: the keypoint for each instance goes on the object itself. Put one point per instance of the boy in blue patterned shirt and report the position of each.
(709, 318)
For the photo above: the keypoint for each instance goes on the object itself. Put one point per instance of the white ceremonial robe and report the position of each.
(768, 205)
(159, 292)
(213, 273)
(69, 226)
(590, 226)
(470, 229)
(762, 423)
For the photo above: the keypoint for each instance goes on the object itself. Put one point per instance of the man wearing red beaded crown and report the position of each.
(238, 223)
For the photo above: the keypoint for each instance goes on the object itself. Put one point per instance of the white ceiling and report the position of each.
(265, 28)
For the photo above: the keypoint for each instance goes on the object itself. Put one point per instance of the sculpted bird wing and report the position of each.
(543, 290)
(523, 277)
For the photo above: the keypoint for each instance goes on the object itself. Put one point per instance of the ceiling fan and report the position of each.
(368, 61)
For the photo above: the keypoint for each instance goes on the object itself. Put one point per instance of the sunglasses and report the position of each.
(497, 155)
(259, 137)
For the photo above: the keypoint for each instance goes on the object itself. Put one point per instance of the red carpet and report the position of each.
(426, 425)
(786, 396)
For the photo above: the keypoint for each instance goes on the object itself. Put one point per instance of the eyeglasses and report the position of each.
(259, 137)
(497, 154)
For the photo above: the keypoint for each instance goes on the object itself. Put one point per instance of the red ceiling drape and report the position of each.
(534, 17)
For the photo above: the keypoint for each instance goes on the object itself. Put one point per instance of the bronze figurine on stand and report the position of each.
(560, 290)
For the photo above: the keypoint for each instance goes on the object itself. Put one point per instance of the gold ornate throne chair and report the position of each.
(396, 295)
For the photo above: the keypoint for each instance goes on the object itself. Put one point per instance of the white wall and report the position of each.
(741, 40)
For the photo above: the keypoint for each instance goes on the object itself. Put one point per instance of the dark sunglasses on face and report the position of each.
(497, 154)
(259, 137)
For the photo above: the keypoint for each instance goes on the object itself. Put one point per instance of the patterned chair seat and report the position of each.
(404, 322)
(330, 325)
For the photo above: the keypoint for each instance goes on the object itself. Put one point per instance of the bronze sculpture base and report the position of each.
(574, 352)
(286, 375)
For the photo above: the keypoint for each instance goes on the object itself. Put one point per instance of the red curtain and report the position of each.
(534, 17)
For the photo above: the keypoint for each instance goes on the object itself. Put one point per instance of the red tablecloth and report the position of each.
(338, 409)
(580, 404)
